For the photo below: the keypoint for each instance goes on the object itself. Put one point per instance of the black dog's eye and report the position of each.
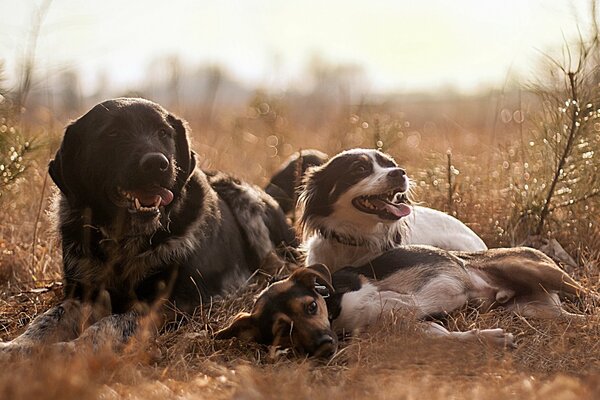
(163, 133)
(312, 308)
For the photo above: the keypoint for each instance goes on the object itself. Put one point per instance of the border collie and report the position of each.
(354, 207)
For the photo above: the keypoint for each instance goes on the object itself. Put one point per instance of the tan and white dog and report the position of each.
(422, 281)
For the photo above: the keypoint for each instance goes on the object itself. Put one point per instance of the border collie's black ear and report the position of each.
(308, 276)
(186, 158)
(64, 168)
(243, 327)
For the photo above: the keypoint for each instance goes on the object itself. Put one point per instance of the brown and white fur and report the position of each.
(354, 207)
(422, 281)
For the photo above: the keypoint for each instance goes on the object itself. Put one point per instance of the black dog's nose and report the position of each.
(397, 173)
(154, 162)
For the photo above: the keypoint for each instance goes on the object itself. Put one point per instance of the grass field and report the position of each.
(476, 157)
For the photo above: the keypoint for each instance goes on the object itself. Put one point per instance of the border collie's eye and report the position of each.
(312, 308)
(163, 133)
(360, 168)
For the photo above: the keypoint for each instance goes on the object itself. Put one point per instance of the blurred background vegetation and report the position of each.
(517, 160)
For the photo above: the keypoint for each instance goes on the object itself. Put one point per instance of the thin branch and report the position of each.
(29, 62)
(567, 150)
(573, 202)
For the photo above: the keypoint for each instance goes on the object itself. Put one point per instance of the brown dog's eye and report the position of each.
(312, 308)
(163, 133)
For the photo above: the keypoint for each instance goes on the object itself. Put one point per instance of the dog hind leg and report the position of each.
(542, 305)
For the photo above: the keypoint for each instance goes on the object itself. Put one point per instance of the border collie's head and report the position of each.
(355, 190)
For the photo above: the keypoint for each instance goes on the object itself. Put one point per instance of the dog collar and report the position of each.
(351, 241)
(347, 240)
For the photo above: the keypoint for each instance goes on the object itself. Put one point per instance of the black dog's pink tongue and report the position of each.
(166, 196)
(398, 210)
(150, 197)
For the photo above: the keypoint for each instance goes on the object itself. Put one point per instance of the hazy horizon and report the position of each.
(395, 45)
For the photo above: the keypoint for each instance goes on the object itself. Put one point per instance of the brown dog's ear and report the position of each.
(186, 158)
(243, 327)
(64, 168)
(308, 276)
(281, 330)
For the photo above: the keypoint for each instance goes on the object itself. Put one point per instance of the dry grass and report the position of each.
(554, 359)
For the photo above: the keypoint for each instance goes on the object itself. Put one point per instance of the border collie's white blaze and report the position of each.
(355, 206)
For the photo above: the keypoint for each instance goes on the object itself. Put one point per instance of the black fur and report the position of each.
(100, 151)
(188, 236)
(284, 184)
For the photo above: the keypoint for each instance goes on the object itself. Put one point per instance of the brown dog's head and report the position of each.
(290, 314)
(125, 157)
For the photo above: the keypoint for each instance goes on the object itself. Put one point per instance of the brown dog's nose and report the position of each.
(154, 162)
(397, 173)
(326, 346)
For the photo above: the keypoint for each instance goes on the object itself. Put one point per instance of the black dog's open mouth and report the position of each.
(145, 201)
(388, 205)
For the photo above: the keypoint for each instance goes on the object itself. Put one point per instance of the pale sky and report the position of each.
(403, 45)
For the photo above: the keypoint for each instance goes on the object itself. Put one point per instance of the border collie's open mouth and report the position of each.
(385, 206)
(145, 201)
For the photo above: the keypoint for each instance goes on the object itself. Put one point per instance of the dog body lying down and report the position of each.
(141, 225)
(283, 185)
(420, 281)
(354, 207)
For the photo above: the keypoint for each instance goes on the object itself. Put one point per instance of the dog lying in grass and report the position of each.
(354, 207)
(310, 309)
(141, 225)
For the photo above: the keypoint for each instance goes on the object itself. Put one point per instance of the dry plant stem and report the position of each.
(29, 62)
(37, 219)
(450, 191)
(561, 163)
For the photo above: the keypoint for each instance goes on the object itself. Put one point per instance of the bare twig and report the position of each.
(29, 62)
(573, 130)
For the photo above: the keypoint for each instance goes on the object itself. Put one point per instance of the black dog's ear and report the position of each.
(64, 168)
(243, 327)
(186, 158)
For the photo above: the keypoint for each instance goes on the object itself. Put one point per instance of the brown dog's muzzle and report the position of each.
(326, 346)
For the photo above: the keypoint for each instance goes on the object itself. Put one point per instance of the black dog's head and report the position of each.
(126, 158)
(355, 189)
(290, 313)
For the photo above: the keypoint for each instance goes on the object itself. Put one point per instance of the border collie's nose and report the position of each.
(397, 173)
(154, 162)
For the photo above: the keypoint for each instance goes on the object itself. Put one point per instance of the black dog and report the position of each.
(140, 224)
(285, 183)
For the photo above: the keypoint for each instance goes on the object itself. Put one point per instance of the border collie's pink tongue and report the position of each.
(149, 197)
(398, 210)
